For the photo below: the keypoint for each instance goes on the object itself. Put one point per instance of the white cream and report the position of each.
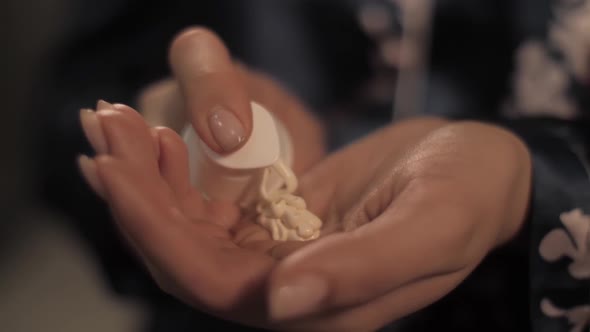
(282, 213)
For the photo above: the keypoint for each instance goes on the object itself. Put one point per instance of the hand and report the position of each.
(142, 173)
(423, 202)
(214, 94)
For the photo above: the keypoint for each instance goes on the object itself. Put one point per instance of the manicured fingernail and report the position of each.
(88, 169)
(93, 130)
(118, 106)
(299, 297)
(103, 105)
(227, 130)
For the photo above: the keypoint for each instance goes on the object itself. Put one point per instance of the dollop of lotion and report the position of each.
(282, 213)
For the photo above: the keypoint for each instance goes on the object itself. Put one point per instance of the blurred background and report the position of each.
(49, 278)
(62, 264)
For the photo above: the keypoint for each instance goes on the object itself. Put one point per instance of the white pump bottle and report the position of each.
(234, 177)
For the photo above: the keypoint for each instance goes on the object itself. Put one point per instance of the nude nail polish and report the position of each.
(226, 128)
(103, 105)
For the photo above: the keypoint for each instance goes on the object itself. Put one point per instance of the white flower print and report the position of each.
(579, 317)
(541, 83)
(571, 34)
(557, 243)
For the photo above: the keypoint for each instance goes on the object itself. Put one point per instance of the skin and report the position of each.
(409, 212)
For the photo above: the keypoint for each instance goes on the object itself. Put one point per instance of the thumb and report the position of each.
(215, 98)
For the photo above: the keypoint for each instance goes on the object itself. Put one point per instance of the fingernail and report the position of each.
(103, 105)
(118, 106)
(227, 130)
(300, 297)
(93, 131)
(88, 169)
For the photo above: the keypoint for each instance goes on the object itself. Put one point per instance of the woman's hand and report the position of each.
(420, 203)
(213, 93)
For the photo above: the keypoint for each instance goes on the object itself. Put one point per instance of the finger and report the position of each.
(128, 138)
(398, 247)
(88, 169)
(214, 95)
(121, 108)
(173, 161)
(102, 104)
(139, 203)
(93, 131)
(133, 114)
